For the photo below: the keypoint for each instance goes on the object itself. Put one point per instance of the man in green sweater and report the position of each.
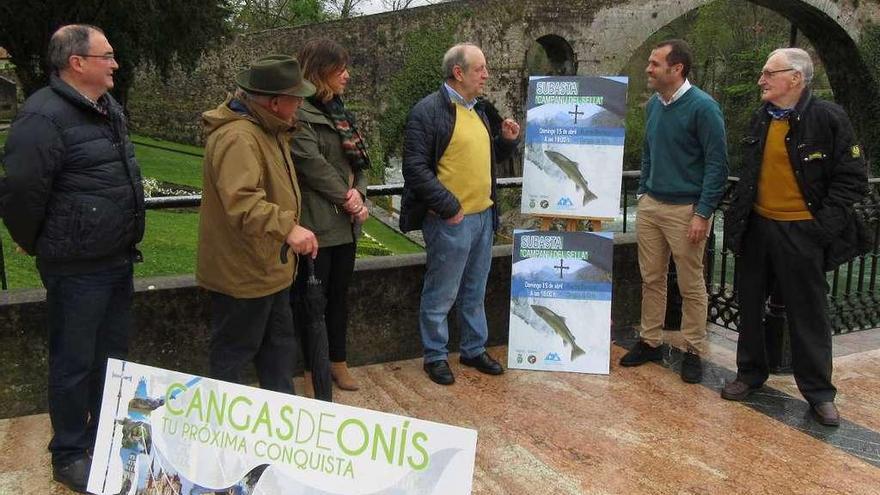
(684, 169)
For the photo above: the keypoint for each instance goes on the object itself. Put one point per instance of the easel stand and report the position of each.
(571, 224)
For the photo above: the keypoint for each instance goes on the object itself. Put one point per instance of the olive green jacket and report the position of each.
(250, 202)
(324, 176)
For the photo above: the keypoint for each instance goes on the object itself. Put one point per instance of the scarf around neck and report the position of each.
(352, 143)
(779, 113)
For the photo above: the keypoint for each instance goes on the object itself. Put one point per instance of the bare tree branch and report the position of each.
(344, 8)
(395, 5)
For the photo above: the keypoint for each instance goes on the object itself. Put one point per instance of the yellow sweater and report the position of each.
(465, 167)
(779, 197)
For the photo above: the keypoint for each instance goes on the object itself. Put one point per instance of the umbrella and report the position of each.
(310, 306)
(316, 349)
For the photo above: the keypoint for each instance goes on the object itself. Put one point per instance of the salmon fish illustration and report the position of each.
(557, 323)
(571, 170)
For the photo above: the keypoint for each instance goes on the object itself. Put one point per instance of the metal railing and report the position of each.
(854, 287)
(854, 294)
(194, 201)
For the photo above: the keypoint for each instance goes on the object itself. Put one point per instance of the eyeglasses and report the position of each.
(107, 56)
(767, 73)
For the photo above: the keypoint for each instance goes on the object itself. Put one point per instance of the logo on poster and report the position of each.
(532, 359)
(544, 203)
(519, 358)
(552, 358)
(565, 201)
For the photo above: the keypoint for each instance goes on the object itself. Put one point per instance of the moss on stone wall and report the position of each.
(869, 46)
(419, 76)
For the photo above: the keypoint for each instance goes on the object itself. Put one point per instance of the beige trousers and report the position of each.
(661, 230)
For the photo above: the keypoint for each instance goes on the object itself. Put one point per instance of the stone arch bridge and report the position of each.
(583, 36)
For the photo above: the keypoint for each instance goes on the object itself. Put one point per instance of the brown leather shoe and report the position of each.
(343, 379)
(826, 413)
(737, 390)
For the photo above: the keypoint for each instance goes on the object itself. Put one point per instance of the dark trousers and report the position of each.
(89, 320)
(258, 330)
(333, 267)
(785, 253)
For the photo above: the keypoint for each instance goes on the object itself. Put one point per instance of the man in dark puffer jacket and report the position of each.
(449, 193)
(73, 197)
(791, 218)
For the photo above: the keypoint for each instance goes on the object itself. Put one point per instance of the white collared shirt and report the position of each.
(457, 98)
(686, 85)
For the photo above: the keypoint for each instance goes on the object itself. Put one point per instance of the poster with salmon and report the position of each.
(560, 301)
(573, 156)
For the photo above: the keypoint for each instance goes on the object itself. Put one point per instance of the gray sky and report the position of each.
(375, 6)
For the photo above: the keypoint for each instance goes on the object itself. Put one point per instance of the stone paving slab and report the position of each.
(636, 431)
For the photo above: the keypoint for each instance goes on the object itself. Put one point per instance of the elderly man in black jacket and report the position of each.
(449, 193)
(72, 196)
(790, 220)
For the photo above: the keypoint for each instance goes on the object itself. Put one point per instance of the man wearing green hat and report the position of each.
(248, 220)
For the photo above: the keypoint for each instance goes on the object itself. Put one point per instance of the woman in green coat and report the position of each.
(331, 163)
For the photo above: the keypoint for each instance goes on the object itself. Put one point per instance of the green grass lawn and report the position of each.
(169, 245)
(171, 145)
(169, 248)
(389, 238)
(20, 269)
(169, 167)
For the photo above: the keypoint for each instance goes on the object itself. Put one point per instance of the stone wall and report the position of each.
(602, 34)
(172, 314)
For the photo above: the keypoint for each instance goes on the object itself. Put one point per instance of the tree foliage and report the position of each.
(158, 32)
(419, 76)
(257, 15)
(731, 41)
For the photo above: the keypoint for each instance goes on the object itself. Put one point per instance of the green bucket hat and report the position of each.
(275, 75)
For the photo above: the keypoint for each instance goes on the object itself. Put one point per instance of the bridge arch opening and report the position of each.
(551, 55)
(846, 76)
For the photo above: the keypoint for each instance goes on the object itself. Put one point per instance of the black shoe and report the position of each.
(691, 368)
(641, 354)
(439, 372)
(483, 363)
(74, 475)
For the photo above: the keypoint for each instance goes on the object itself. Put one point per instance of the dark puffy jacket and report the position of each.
(428, 132)
(72, 194)
(829, 170)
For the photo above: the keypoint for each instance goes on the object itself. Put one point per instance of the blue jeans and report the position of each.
(89, 318)
(457, 267)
